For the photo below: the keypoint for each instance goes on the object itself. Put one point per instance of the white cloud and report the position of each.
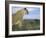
(30, 9)
(31, 17)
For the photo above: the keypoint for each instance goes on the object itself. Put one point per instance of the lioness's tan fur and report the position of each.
(17, 19)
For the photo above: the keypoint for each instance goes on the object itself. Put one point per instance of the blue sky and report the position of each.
(33, 12)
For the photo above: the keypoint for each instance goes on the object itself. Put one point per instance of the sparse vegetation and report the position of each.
(27, 25)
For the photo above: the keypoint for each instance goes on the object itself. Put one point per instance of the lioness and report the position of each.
(17, 18)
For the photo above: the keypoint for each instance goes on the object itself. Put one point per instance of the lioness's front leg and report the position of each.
(19, 23)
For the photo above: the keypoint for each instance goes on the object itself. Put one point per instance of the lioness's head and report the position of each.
(25, 11)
